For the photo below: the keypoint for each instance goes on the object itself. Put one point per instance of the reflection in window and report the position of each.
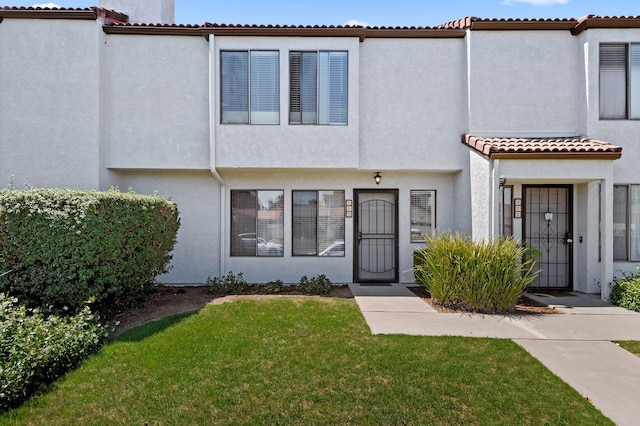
(423, 214)
(318, 223)
(257, 223)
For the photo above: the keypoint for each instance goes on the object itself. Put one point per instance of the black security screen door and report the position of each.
(376, 236)
(547, 229)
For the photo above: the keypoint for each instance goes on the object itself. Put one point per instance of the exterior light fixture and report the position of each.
(503, 180)
(377, 178)
(548, 216)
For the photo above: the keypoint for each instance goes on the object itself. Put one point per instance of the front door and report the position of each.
(547, 229)
(376, 236)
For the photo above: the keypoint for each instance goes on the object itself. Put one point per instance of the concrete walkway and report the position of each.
(576, 345)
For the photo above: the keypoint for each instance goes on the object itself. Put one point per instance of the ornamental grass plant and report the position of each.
(480, 276)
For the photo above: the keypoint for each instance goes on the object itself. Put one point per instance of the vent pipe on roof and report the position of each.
(144, 11)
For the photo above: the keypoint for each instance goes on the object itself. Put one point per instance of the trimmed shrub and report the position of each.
(315, 285)
(274, 287)
(61, 247)
(229, 284)
(626, 292)
(481, 276)
(35, 349)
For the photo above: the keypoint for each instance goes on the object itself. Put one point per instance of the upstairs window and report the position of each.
(619, 81)
(318, 91)
(250, 92)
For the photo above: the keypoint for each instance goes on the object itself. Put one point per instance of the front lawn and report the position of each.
(302, 361)
(632, 346)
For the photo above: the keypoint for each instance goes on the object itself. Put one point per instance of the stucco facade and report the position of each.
(99, 102)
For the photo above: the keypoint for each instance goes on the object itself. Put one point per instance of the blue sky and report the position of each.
(375, 12)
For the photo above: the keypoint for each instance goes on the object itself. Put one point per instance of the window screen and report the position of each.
(423, 217)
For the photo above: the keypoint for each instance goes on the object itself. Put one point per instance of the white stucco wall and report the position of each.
(412, 102)
(522, 83)
(197, 194)
(339, 269)
(156, 102)
(49, 108)
(284, 145)
(482, 208)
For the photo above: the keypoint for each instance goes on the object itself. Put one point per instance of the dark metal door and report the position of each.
(376, 236)
(547, 228)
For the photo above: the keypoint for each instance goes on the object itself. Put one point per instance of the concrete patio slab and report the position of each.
(388, 298)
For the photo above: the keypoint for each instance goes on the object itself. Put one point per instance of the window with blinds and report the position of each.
(250, 92)
(619, 81)
(626, 222)
(318, 223)
(257, 223)
(423, 214)
(318, 92)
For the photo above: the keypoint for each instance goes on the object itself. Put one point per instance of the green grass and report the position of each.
(302, 361)
(632, 346)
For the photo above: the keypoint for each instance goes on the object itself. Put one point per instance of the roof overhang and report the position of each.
(561, 148)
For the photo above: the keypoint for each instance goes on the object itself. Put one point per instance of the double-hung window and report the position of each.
(423, 214)
(318, 223)
(250, 87)
(318, 92)
(626, 222)
(257, 223)
(620, 81)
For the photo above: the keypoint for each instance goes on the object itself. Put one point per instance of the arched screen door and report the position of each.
(376, 236)
(547, 229)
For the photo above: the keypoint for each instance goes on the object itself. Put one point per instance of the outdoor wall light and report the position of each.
(377, 178)
(503, 180)
(548, 216)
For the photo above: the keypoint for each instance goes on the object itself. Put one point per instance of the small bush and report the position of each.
(626, 292)
(315, 285)
(473, 275)
(35, 349)
(274, 287)
(60, 247)
(229, 284)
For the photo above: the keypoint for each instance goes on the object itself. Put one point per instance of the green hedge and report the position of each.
(35, 349)
(60, 247)
(483, 276)
(626, 292)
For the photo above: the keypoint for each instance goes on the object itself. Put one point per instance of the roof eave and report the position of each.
(588, 23)
(554, 155)
(88, 15)
(522, 25)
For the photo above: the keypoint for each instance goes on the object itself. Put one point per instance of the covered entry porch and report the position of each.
(555, 195)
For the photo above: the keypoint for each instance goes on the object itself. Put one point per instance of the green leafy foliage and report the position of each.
(274, 287)
(229, 284)
(626, 292)
(316, 285)
(36, 349)
(61, 247)
(482, 276)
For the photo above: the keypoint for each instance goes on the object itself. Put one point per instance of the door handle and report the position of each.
(569, 238)
(359, 236)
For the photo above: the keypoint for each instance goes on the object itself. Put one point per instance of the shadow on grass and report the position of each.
(140, 333)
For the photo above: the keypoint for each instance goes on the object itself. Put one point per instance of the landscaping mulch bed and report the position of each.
(524, 305)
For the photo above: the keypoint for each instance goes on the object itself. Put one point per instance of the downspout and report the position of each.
(212, 148)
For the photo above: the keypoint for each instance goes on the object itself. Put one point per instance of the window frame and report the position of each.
(434, 196)
(318, 249)
(630, 247)
(257, 236)
(631, 56)
(249, 87)
(299, 78)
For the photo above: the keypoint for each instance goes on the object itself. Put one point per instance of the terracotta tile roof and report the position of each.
(561, 147)
(88, 13)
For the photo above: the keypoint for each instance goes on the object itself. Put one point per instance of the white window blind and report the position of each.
(257, 223)
(265, 87)
(318, 223)
(613, 81)
(250, 92)
(423, 220)
(634, 80)
(318, 87)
